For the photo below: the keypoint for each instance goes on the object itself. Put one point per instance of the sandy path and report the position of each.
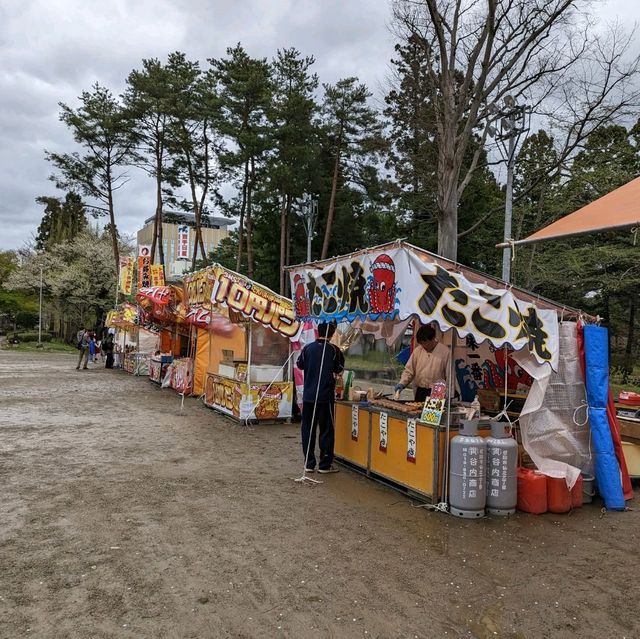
(120, 517)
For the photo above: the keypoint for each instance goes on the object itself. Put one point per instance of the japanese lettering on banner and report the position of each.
(253, 301)
(157, 275)
(355, 417)
(434, 404)
(384, 417)
(125, 281)
(144, 266)
(397, 283)
(183, 242)
(411, 440)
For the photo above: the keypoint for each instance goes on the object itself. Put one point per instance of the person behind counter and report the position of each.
(321, 362)
(428, 363)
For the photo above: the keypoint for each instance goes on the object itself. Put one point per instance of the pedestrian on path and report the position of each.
(84, 339)
(107, 349)
(321, 361)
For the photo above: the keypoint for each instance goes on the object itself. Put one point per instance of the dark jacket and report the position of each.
(320, 381)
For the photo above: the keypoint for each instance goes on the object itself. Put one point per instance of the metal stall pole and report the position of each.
(450, 390)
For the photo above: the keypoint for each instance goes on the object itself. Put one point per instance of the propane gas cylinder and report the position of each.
(502, 462)
(467, 488)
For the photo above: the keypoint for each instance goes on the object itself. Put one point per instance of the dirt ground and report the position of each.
(120, 516)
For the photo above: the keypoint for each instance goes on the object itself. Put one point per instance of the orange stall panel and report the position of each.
(352, 433)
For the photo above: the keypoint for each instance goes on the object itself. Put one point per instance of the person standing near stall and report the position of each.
(321, 361)
(428, 363)
(107, 349)
(84, 339)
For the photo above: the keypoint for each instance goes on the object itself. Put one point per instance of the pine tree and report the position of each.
(102, 128)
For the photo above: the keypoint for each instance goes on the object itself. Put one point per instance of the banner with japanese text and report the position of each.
(253, 301)
(157, 275)
(125, 280)
(144, 266)
(183, 242)
(396, 283)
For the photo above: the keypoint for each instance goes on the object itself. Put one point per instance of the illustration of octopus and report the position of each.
(382, 285)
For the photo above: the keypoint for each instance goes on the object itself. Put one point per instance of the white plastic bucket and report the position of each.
(588, 488)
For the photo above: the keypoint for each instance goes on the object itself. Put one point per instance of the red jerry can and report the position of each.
(532, 491)
(559, 498)
(577, 493)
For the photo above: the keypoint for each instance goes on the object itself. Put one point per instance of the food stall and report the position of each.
(496, 334)
(246, 367)
(162, 311)
(134, 340)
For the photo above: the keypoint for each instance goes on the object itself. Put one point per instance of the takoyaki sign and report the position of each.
(396, 284)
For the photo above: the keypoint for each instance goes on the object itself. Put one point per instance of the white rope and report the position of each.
(583, 404)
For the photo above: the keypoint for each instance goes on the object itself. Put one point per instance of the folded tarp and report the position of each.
(607, 469)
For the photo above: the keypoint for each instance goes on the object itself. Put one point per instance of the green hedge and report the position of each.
(33, 337)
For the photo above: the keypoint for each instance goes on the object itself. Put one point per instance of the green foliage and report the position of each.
(79, 281)
(61, 220)
(103, 129)
(33, 337)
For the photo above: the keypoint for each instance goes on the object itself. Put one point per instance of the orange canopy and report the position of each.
(619, 209)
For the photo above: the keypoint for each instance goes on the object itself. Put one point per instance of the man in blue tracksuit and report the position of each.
(321, 361)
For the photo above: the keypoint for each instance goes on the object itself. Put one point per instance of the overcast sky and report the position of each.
(52, 50)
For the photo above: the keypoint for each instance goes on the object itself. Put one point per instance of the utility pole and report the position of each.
(512, 126)
(40, 311)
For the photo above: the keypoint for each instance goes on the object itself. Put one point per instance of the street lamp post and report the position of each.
(40, 312)
(512, 126)
(309, 211)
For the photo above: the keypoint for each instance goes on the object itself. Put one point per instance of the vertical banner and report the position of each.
(125, 280)
(144, 266)
(157, 275)
(183, 242)
(383, 432)
(354, 422)
(411, 440)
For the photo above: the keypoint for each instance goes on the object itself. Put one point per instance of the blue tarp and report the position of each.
(607, 470)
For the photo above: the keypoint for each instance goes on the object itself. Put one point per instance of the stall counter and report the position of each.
(243, 401)
(411, 456)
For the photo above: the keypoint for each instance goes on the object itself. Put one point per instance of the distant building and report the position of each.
(178, 236)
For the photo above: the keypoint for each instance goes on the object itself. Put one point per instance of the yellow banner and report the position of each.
(157, 275)
(144, 271)
(254, 301)
(125, 283)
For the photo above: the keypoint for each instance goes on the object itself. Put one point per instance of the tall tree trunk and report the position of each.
(243, 207)
(448, 195)
(252, 177)
(629, 350)
(332, 199)
(112, 224)
(287, 257)
(157, 222)
(283, 240)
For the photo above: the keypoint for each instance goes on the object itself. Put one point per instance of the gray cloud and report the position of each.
(53, 50)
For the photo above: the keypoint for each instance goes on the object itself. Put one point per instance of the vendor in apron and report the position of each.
(428, 363)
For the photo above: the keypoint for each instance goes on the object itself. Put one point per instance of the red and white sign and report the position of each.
(183, 242)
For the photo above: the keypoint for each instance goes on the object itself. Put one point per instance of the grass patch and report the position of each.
(373, 360)
(55, 346)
